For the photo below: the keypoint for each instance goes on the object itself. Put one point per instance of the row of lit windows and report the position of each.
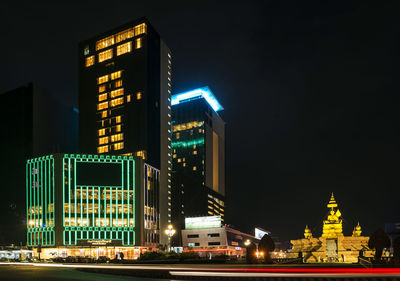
(117, 93)
(108, 54)
(121, 36)
(187, 126)
(116, 102)
(117, 84)
(105, 148)
(117, 137)
(112, 103)
(93, 208)
(99, 222)
(104, 78)
(124, 48)
(114, 138)
(89, 61)
(102, 97)
(220, 202)
(89, 193)
(102, 132)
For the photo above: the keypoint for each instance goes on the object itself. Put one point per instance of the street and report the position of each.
(37, 273)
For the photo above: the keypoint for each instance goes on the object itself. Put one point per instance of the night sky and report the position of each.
(310, 91)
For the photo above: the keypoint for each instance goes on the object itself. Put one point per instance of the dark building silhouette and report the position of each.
(125, 97)
(198, 156)
(35, 123)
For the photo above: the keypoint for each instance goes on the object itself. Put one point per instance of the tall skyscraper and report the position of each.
(34, 123)
(198, 156)
(125, 97)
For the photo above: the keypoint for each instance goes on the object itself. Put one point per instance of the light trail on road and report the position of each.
(239, 272)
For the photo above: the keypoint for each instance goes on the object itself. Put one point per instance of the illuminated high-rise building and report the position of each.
(198, 156)
(92, 205)
(125, 97)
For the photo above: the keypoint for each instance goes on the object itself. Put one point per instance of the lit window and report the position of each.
(123, 35)
(187, 126)
(142, 154)
(102, 132)
(179, 160)
(102, 88)
(102, 79)
(139, 96)
(117, 137)
(195, 152)
(140, 29)
(89, 61)
(103, 140)
(124, 48)
(103, 97)
(102, 105)
(117, 93)
(118, 128)
(116, 102)
(104, 114)
(174, 156)
(138, 43)
(177, 135)
(194, 168)
(118, 119)
(102, 149)
(118, 146)
(184, 164)
(116, 75)
(104, 43)
(118, 83)
(128, 98)
(106, 55)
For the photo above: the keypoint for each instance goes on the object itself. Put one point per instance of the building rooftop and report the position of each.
(199, 93)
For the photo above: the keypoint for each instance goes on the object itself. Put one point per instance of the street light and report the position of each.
(247, 242)
(170, 231)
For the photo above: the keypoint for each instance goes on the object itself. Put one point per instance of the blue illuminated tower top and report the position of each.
(199, 93)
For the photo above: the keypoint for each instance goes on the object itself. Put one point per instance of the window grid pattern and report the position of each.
(108, 123)
(40, 201)
(98, 212)
(121, 36)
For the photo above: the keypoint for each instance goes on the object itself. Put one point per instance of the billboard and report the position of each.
(259, 232)
(203, 222)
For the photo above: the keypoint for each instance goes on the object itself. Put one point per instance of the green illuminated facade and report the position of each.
(87, 200)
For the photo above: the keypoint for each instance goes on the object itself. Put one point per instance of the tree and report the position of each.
(378, 241)
(266, 245)
(251, 253)
(396, 251)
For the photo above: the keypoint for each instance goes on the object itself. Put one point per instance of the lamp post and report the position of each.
(170, 231)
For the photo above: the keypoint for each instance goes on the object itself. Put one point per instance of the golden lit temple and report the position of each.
(332, 246)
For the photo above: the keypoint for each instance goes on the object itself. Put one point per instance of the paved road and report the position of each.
(35, 273)
(96, 272)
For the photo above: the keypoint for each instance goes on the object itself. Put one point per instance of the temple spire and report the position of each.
(332, 202)
(307, 233)
(357, 230)
(332, 226)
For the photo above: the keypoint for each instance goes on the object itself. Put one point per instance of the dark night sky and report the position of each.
(310, 92)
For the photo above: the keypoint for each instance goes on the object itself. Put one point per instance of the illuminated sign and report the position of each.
(203, 222)
(259, 233)
(99, 242)
(204, 92)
